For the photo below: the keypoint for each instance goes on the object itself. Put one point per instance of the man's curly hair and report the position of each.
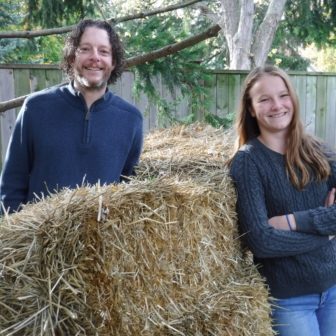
(73, 41)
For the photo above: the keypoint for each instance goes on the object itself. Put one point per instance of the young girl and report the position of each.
(285, 183)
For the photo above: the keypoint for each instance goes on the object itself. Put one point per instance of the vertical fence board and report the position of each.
(153, 114)
(211, 85)
(309, 100)
(321, 96)
(198, 110)
(53, 77)
(222, 95)
(300, 84)
(116, 88)
(21, 83)
(126, 86)
(7, 119)
(38, 80)
(172, 97)
(143, 106)
(331, 108)
(234, 92)
(182, 107)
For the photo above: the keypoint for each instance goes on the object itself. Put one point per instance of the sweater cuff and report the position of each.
(304, 222)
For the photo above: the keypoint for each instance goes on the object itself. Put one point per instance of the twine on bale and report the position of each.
(159, 255)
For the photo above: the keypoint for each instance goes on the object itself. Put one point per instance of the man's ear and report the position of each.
(251, 111)
(72, 60)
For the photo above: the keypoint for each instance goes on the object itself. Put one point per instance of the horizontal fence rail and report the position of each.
(316, 91)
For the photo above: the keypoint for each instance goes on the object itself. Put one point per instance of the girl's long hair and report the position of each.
(305, 157)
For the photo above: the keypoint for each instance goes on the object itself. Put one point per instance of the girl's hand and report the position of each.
(280, 222)
(330, 200)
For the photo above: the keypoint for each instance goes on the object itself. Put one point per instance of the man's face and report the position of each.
(93, 62)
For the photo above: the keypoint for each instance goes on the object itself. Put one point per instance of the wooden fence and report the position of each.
(317, 93)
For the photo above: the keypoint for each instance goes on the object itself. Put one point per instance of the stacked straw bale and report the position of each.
(156, 256)
(195, 151)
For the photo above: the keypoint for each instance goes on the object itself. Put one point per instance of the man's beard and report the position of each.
(91, 86)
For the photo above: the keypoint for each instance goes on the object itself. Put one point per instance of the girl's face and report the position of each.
(272, 105)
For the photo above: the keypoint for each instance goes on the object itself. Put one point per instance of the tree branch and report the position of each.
(13, 103)
(100, 9)
(63, 30)
(137, 60)
(173, 48)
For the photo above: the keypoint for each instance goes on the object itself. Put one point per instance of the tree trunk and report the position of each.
(264, 36)
(245, 49)
(237, 24)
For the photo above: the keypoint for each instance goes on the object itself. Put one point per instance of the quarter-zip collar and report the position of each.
(77, 93)
(79, 98)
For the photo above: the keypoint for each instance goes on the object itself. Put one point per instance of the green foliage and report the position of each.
(183, 70)
(8, 14)
(56, 13)
(217, 121)
(289, 62)
(11, 16)
(311, 21)
(285, 53)
(50, 49)
(41, 50)
(304, 21)
(17, 15)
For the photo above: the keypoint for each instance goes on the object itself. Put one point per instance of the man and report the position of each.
(80, 133)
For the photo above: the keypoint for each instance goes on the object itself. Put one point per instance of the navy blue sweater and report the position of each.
(57, 142)
(293, 263)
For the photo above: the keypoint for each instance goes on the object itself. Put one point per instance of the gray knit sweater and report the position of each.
(293, 263)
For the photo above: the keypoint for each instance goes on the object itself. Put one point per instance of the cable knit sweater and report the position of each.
(58, 142)
(293, 263)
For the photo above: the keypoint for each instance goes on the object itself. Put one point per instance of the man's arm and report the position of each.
(14, 181)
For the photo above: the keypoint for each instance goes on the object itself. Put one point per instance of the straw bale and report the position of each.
(158, 256)
(159, 262)
(196, 150)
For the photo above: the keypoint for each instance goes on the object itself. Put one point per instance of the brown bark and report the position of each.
(173, 48)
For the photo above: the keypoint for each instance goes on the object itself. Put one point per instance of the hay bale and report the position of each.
(196, 151)
(157, 256)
